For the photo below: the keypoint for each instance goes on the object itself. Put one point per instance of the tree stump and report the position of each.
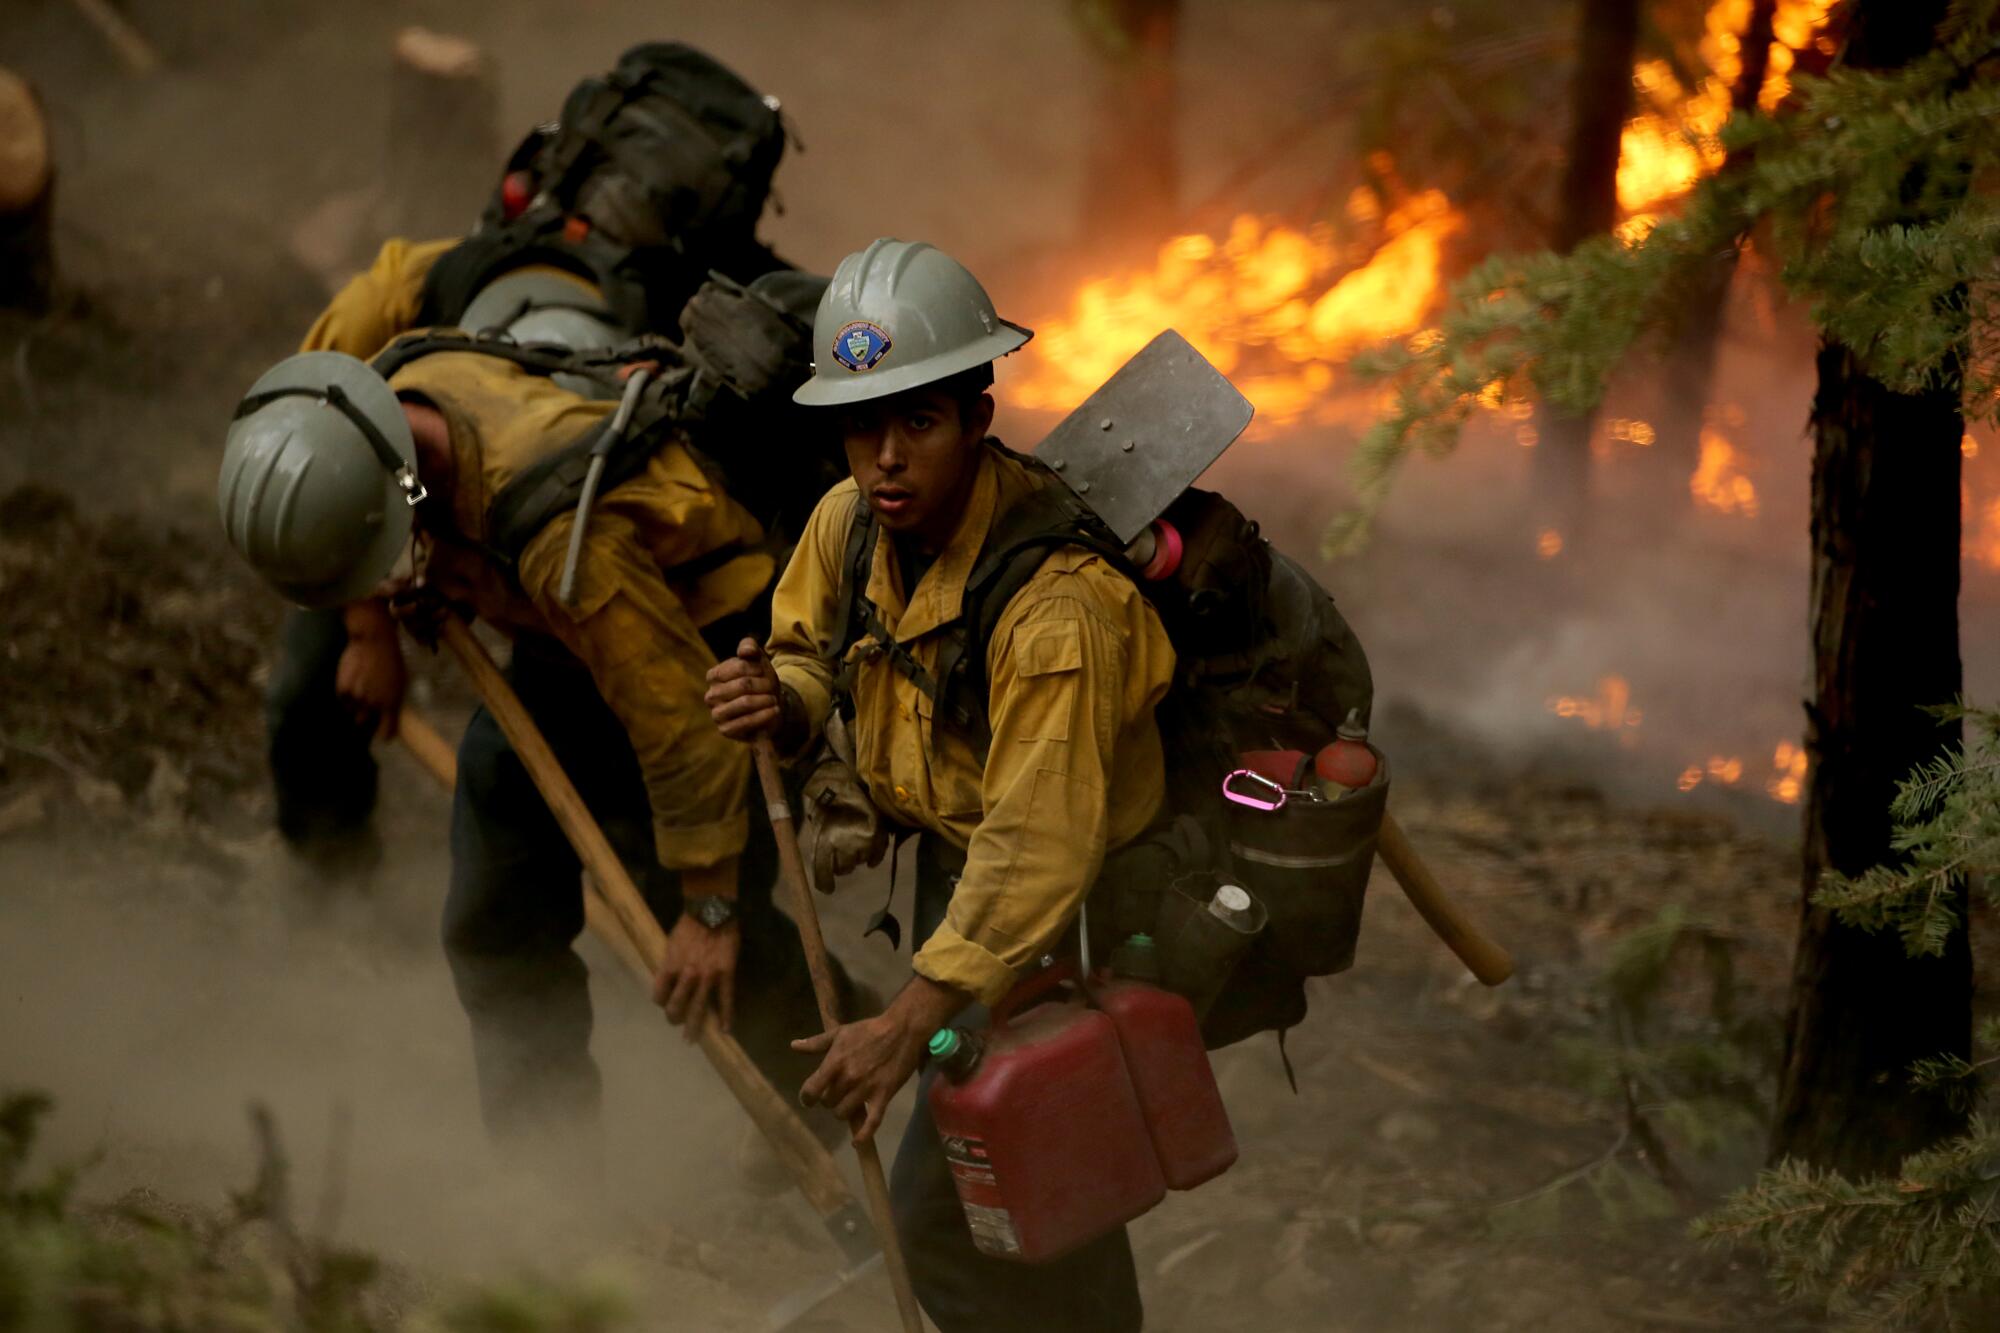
(444, 154)
(27, 193)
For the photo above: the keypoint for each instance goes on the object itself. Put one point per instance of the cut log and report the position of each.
(444, 154)
(27, 195)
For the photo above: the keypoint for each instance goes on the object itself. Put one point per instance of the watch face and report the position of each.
(712, 912)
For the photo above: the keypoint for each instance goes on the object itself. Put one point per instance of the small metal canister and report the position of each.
(1201, 939)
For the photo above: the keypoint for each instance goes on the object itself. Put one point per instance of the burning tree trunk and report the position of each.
(1885, 534)
(444, 154)
(1690, 364)
(1600, 100)
(27, 198)
(1131, 178)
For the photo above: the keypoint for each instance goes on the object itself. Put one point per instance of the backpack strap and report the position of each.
(1016, 546)
(859, 619)
(1019, 544)
(538, 358)
(533, 497)
(553, 484)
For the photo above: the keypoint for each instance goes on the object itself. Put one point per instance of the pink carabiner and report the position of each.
(1258, 784)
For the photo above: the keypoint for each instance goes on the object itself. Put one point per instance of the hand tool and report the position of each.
(1482, 956)
(614, 911)
(807, 916)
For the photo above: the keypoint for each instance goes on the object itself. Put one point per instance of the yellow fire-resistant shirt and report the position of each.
(634, 624)
(377, 305)
(1077, 663)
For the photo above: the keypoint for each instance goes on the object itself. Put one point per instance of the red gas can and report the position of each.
(1183, 1108)
(1048, 1148)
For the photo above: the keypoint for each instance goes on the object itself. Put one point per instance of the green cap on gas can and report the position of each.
(944, 1043)
(1136, 958)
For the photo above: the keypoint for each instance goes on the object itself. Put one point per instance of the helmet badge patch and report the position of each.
(859, 345)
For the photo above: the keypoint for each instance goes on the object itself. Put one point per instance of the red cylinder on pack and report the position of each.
(516, 189)
(1287, 768)
(1042, 1128)
(1348, 764)
(1161, 1039)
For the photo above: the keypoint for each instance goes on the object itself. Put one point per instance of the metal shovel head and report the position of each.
(799, 1304)
(1146, 434)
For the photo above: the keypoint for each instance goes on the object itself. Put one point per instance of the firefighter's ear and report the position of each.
(976, 416)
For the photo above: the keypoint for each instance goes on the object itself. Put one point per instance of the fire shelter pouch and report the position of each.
(1307, 861)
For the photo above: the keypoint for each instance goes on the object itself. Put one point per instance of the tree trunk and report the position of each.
(1587, 205)
(444, 151)
(1885, 536)
(1689, 374)
(1131, 180)
(27, 199)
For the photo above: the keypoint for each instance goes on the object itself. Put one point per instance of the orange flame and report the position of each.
(1672, 142)
(1718, 481)
(1610, 709)
(1788, 776)
(1548, 543)
(1787, 780)
(1274, 307)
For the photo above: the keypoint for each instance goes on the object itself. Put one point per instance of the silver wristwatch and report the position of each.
(712, 911)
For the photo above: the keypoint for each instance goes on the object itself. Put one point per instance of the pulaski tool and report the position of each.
(615, 912)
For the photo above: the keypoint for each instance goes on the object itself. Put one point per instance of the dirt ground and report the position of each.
(1450, 1159)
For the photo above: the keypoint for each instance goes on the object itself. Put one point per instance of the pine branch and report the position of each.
(1860, 191)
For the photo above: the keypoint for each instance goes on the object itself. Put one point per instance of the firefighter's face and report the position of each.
(914, 456)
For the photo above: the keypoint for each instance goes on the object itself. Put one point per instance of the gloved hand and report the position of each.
(847, 828)
(745, 340)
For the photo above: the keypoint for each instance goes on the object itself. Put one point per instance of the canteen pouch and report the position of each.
(1198, 950)
(1307, 862)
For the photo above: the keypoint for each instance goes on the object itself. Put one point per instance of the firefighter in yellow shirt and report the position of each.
(1015, 810)
(332, 465)
(604, 223)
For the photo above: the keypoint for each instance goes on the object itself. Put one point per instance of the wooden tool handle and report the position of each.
(592, 848)
(427, 745)
(623, 920)
(792, 863)
(1482, 956)
(811, 1167)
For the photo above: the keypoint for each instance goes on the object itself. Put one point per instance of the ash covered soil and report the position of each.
(1453, 1157)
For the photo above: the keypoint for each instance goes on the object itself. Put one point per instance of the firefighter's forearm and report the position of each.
(716, 881)
(923, 1006)
(794, 731)
(368, 619)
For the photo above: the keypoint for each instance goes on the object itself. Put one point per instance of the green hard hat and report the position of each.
(897, 315)
(319, 479)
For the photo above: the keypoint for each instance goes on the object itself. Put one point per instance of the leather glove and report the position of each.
(847, 828)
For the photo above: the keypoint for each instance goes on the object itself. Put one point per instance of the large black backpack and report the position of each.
(688, 145)
(1265, 662)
